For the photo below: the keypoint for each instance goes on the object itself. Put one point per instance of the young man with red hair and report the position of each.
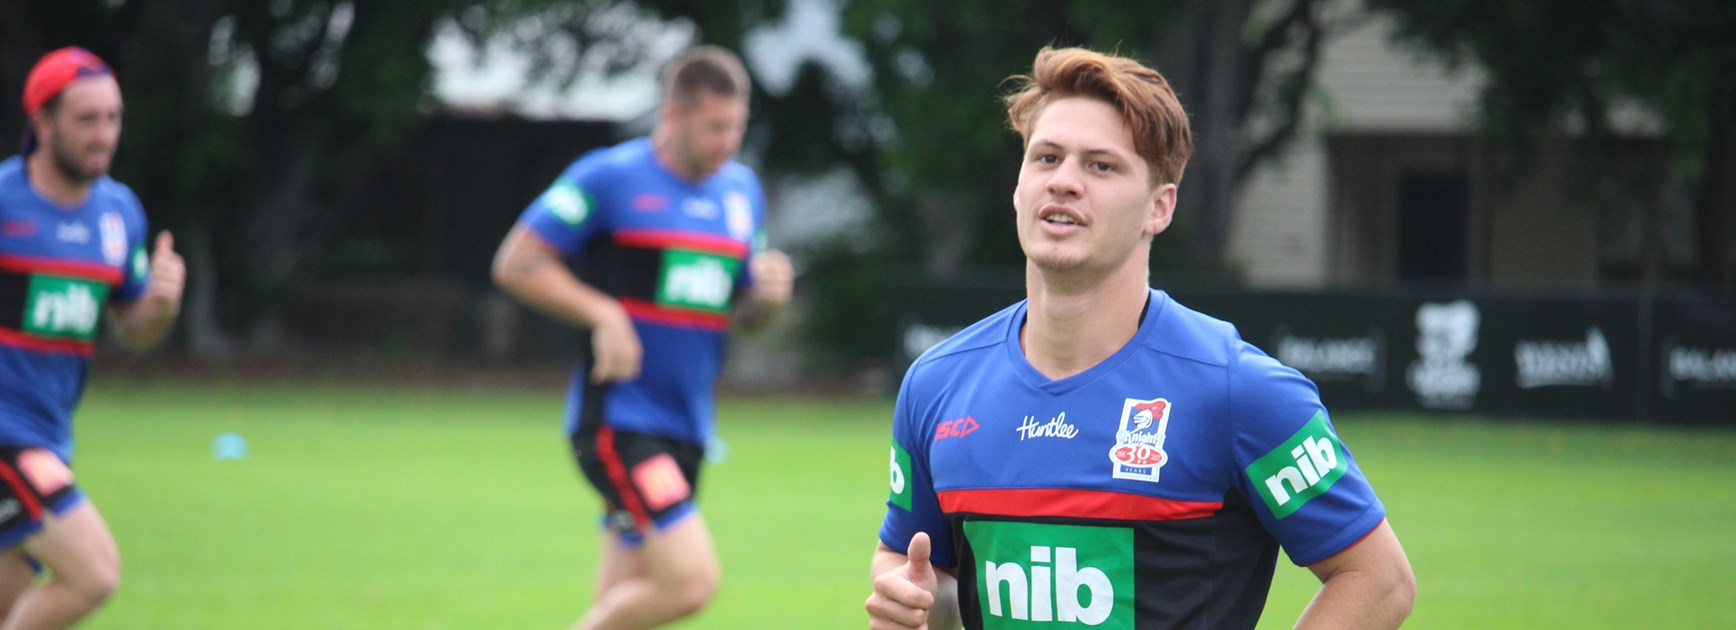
(1173, 459)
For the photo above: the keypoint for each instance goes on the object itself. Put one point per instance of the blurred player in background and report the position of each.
(1099, 455)
(72, 243)
(653, 245)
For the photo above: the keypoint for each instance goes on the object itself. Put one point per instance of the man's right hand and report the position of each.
(904, 596)
(616, 350)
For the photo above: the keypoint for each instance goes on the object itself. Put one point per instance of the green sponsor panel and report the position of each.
(697, 280)
(1303, 467)
(141, 265)
(1035, 575)
(900, 478)
(67, 308)
(569, 203)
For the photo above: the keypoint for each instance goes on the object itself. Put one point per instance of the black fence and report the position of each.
(1667, 359)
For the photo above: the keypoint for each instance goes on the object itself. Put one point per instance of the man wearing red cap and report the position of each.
(72, 241)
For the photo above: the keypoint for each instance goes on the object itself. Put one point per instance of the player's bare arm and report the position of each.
(909, 592)
(1369, 585)
(143, 323)
(529, 269)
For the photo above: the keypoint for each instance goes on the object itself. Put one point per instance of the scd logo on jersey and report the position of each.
(1138, 452)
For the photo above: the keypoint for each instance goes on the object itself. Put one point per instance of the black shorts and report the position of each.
(33, 484)
(647, 481)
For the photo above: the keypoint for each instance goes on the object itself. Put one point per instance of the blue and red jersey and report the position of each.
(59, 268)
(1153, 490)
(674, 253)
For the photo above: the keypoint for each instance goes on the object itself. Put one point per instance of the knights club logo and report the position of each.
(1138, 452)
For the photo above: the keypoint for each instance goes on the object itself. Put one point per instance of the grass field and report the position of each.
(457, 507)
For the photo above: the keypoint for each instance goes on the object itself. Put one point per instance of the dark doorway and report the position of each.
(1433, 226)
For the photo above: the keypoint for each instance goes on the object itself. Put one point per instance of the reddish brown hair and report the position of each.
(1147, 104)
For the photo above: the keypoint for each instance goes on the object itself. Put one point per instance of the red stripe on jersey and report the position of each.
(684, 318)
(26, 496)
(670, 239)
(618, 475)
(58, 267)
(1117, 506)
(17, 339)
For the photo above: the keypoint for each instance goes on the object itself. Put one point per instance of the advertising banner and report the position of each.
(1620, 357)
(1695, 364)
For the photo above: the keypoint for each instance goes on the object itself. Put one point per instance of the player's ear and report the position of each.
(670, 111)
(1160, 210)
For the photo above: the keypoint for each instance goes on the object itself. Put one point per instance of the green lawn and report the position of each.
(457, 507)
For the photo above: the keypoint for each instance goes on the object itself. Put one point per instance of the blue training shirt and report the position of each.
(59, 267)
(1150, 491)
(674, 253)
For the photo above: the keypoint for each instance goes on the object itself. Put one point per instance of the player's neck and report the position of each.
(663, 148)
(1070, 327)
(52, 184)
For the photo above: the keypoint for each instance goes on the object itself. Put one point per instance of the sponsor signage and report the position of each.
(1694, 368)
(1036, 575)
(1614, 356)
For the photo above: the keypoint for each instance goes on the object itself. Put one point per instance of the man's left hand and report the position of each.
(168, 272)
(774, 278)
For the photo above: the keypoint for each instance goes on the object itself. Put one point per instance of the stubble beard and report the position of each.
(69, 166)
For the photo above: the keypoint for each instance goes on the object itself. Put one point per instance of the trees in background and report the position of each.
(252, 125)
(928, 138)
(1571, 68)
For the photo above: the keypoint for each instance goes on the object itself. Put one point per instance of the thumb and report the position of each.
(919, 566)
(165, 242)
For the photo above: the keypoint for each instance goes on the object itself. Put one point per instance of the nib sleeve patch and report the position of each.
(900, 493)
(911, 503)
(1303, 467)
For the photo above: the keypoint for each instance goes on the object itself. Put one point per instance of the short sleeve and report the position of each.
(136, 270)
(911, 504)
(568, 215)
(757, 241)
(1294, 470)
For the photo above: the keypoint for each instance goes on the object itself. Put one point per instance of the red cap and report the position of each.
(55, 71)
(49, 78)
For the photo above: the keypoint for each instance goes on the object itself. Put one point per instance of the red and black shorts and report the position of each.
(647, 481)
(33, 484)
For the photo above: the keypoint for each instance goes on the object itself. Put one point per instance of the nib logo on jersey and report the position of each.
(697, 280)
(1303, 467)
(1138, 452)
(1036, 575)
(900, 461)
(567, 202)
(64, 307)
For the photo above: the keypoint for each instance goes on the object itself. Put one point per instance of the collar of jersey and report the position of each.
(1156, 301)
